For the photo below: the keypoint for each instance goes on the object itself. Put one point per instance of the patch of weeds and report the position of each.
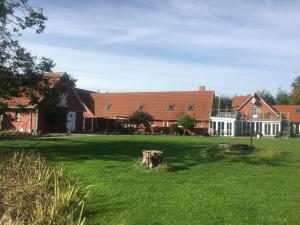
(33, 192)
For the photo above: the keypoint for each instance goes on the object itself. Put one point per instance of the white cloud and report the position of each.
(251, 44)
(109, 72)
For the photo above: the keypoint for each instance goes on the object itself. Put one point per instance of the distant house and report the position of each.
(33, 118)
(90, 111)
(252, 115)
(107, 109)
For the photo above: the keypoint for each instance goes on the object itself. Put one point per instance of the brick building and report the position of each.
(252, 115)
(90, 111)
(106, 109)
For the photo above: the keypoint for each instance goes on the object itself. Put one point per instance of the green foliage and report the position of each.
(282, 97)
(15, 134)
(139, 117)
(187, 122)
(223, 102)
(295, 96)
(69, 80)
(56, 114)
(174, 130)
(32, 192)
(21, 73)
(267, 97)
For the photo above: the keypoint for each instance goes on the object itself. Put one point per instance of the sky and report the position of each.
(234, 47)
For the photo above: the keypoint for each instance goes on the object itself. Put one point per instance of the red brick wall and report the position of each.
(26, 123)
(247, 109)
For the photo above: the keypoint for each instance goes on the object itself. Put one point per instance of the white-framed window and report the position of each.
(165, 123)
(171, 107)
(256, 110)
(267, 129)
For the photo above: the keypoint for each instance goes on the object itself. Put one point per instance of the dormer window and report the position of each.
(140, 107)
(190, 108)
(107, 107)
(298, 110)
(171, 107)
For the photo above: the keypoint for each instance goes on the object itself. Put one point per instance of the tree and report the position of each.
(187, 122)
(223, 103)
(21, 73)
(267, 97)
(295, 96)
(140, 118)
(282, 97)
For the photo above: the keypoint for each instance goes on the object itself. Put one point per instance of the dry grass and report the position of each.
(32, 192)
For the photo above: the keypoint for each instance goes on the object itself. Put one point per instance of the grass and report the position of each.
(202, 185)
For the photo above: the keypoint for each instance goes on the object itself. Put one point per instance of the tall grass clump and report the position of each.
(34, 192)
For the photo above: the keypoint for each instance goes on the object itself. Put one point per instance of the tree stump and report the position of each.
(152, 158)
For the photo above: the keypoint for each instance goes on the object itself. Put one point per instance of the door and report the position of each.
(71, 121)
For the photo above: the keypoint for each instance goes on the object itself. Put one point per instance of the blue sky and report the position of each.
(230, 46)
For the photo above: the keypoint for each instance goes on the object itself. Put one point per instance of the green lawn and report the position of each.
(204, 186)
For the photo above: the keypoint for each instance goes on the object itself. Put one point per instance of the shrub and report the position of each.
(187, 122)
(15, 134)
(174, 129)
(127, 130)
(139, 117)
(32, 192)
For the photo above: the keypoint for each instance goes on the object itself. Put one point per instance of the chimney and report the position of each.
(201, 88)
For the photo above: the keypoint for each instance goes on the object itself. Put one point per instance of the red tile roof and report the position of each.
(238, 101)
(155, 103)
(292, 111)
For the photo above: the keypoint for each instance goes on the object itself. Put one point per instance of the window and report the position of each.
(140, 107)
(190, 108)
(298, 110)
(18, 117)
(256, 110)
(63, 99)
(259, 128)
(267, 129)
(229, 128)
(107, 107)
(171, 107)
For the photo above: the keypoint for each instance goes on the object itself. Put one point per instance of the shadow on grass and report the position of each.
(180, 155)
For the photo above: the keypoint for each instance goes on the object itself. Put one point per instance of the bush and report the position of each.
(187, 122)
(127, 130)
(32, 192)
(15, 134)
(174, 129)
